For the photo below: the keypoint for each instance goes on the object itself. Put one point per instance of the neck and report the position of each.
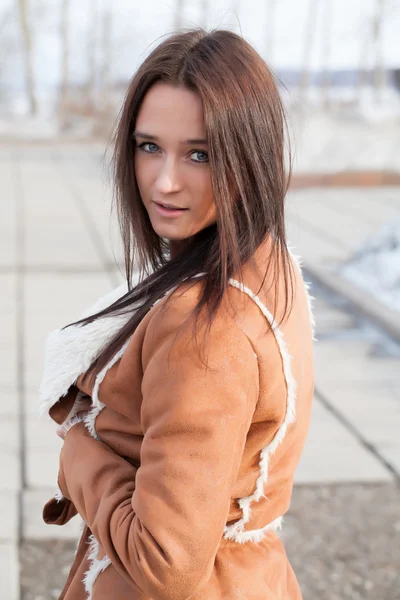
(176, 247)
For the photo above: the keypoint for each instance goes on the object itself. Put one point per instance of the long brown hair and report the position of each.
(245, 124)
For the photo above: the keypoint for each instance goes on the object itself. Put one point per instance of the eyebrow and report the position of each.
(148, 136)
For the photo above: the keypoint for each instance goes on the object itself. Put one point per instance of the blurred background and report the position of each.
(64, 69)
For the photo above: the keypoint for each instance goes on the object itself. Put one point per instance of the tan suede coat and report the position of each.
(182, 472)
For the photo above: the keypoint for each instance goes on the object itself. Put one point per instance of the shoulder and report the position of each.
(173, 323)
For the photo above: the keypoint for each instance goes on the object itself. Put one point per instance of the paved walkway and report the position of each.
(57, 254)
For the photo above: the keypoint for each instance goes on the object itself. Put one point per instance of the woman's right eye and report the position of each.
(142, 147)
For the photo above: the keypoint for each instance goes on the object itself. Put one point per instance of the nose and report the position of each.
(168, 179)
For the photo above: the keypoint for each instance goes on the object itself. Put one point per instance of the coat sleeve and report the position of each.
(162, 524)
(59, 510)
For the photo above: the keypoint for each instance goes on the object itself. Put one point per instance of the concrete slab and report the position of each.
(9, 571)
(375, 415)
(333, 455)
(55, 232)
(9, 515)
(53, 301)
(10, 469)
(8, 371)
(9, 434)
(350, 362)
(8, 327)
(95, 198)
(392, 455)
(56, 298)
(9, 407)
(305, 239)
(42, 468)
(31, 401)
(41, 434)
(8, 222)
(348, 229)
(32, 522)
(9, 456)
(373, 204)
(330, 319)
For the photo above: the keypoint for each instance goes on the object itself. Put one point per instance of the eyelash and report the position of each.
(197, 162)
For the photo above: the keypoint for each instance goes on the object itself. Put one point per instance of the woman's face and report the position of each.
(171, 162)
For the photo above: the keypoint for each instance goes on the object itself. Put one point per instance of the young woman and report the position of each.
(184, 401)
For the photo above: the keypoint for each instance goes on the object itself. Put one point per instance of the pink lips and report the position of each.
(169, 212)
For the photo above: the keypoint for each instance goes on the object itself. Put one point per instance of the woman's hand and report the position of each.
(84, 408)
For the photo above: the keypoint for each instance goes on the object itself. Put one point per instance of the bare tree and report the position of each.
(379, 70)
(91, 56)
(106, 58)
(326, 51)
(27, 46)
(362, 71)
(311, 26)
(64, 26)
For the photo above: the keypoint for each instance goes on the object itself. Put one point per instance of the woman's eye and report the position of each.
(151, 148)
(142, 146)
(203, 156)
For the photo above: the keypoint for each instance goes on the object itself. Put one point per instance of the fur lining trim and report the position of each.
(97, 405)
(67, 425)
(69, 352)
(235, 530)
(96, 566)
(78, 405)
(82, 526)
(255, 535)
(307, 284)
(58, 495)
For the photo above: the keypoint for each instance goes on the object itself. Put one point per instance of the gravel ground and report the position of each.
(343, 542)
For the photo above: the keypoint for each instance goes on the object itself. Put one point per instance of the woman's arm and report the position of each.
(162, 524)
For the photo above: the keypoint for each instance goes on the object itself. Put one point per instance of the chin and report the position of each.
(168, 234)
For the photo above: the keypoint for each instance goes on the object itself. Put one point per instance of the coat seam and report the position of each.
(236, 530)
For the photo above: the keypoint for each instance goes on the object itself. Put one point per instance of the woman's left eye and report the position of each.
(142, 146)
(201, 152)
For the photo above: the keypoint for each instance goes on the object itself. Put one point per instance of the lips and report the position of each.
(170, 206)
(169, 210)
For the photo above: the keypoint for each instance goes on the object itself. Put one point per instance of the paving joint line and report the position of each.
(349, 305)
(19, 302)
(20, 337)
(371, 448)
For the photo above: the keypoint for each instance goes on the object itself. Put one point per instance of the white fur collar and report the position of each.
(69, 352)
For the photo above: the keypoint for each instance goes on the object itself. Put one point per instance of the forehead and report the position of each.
(169, 110)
